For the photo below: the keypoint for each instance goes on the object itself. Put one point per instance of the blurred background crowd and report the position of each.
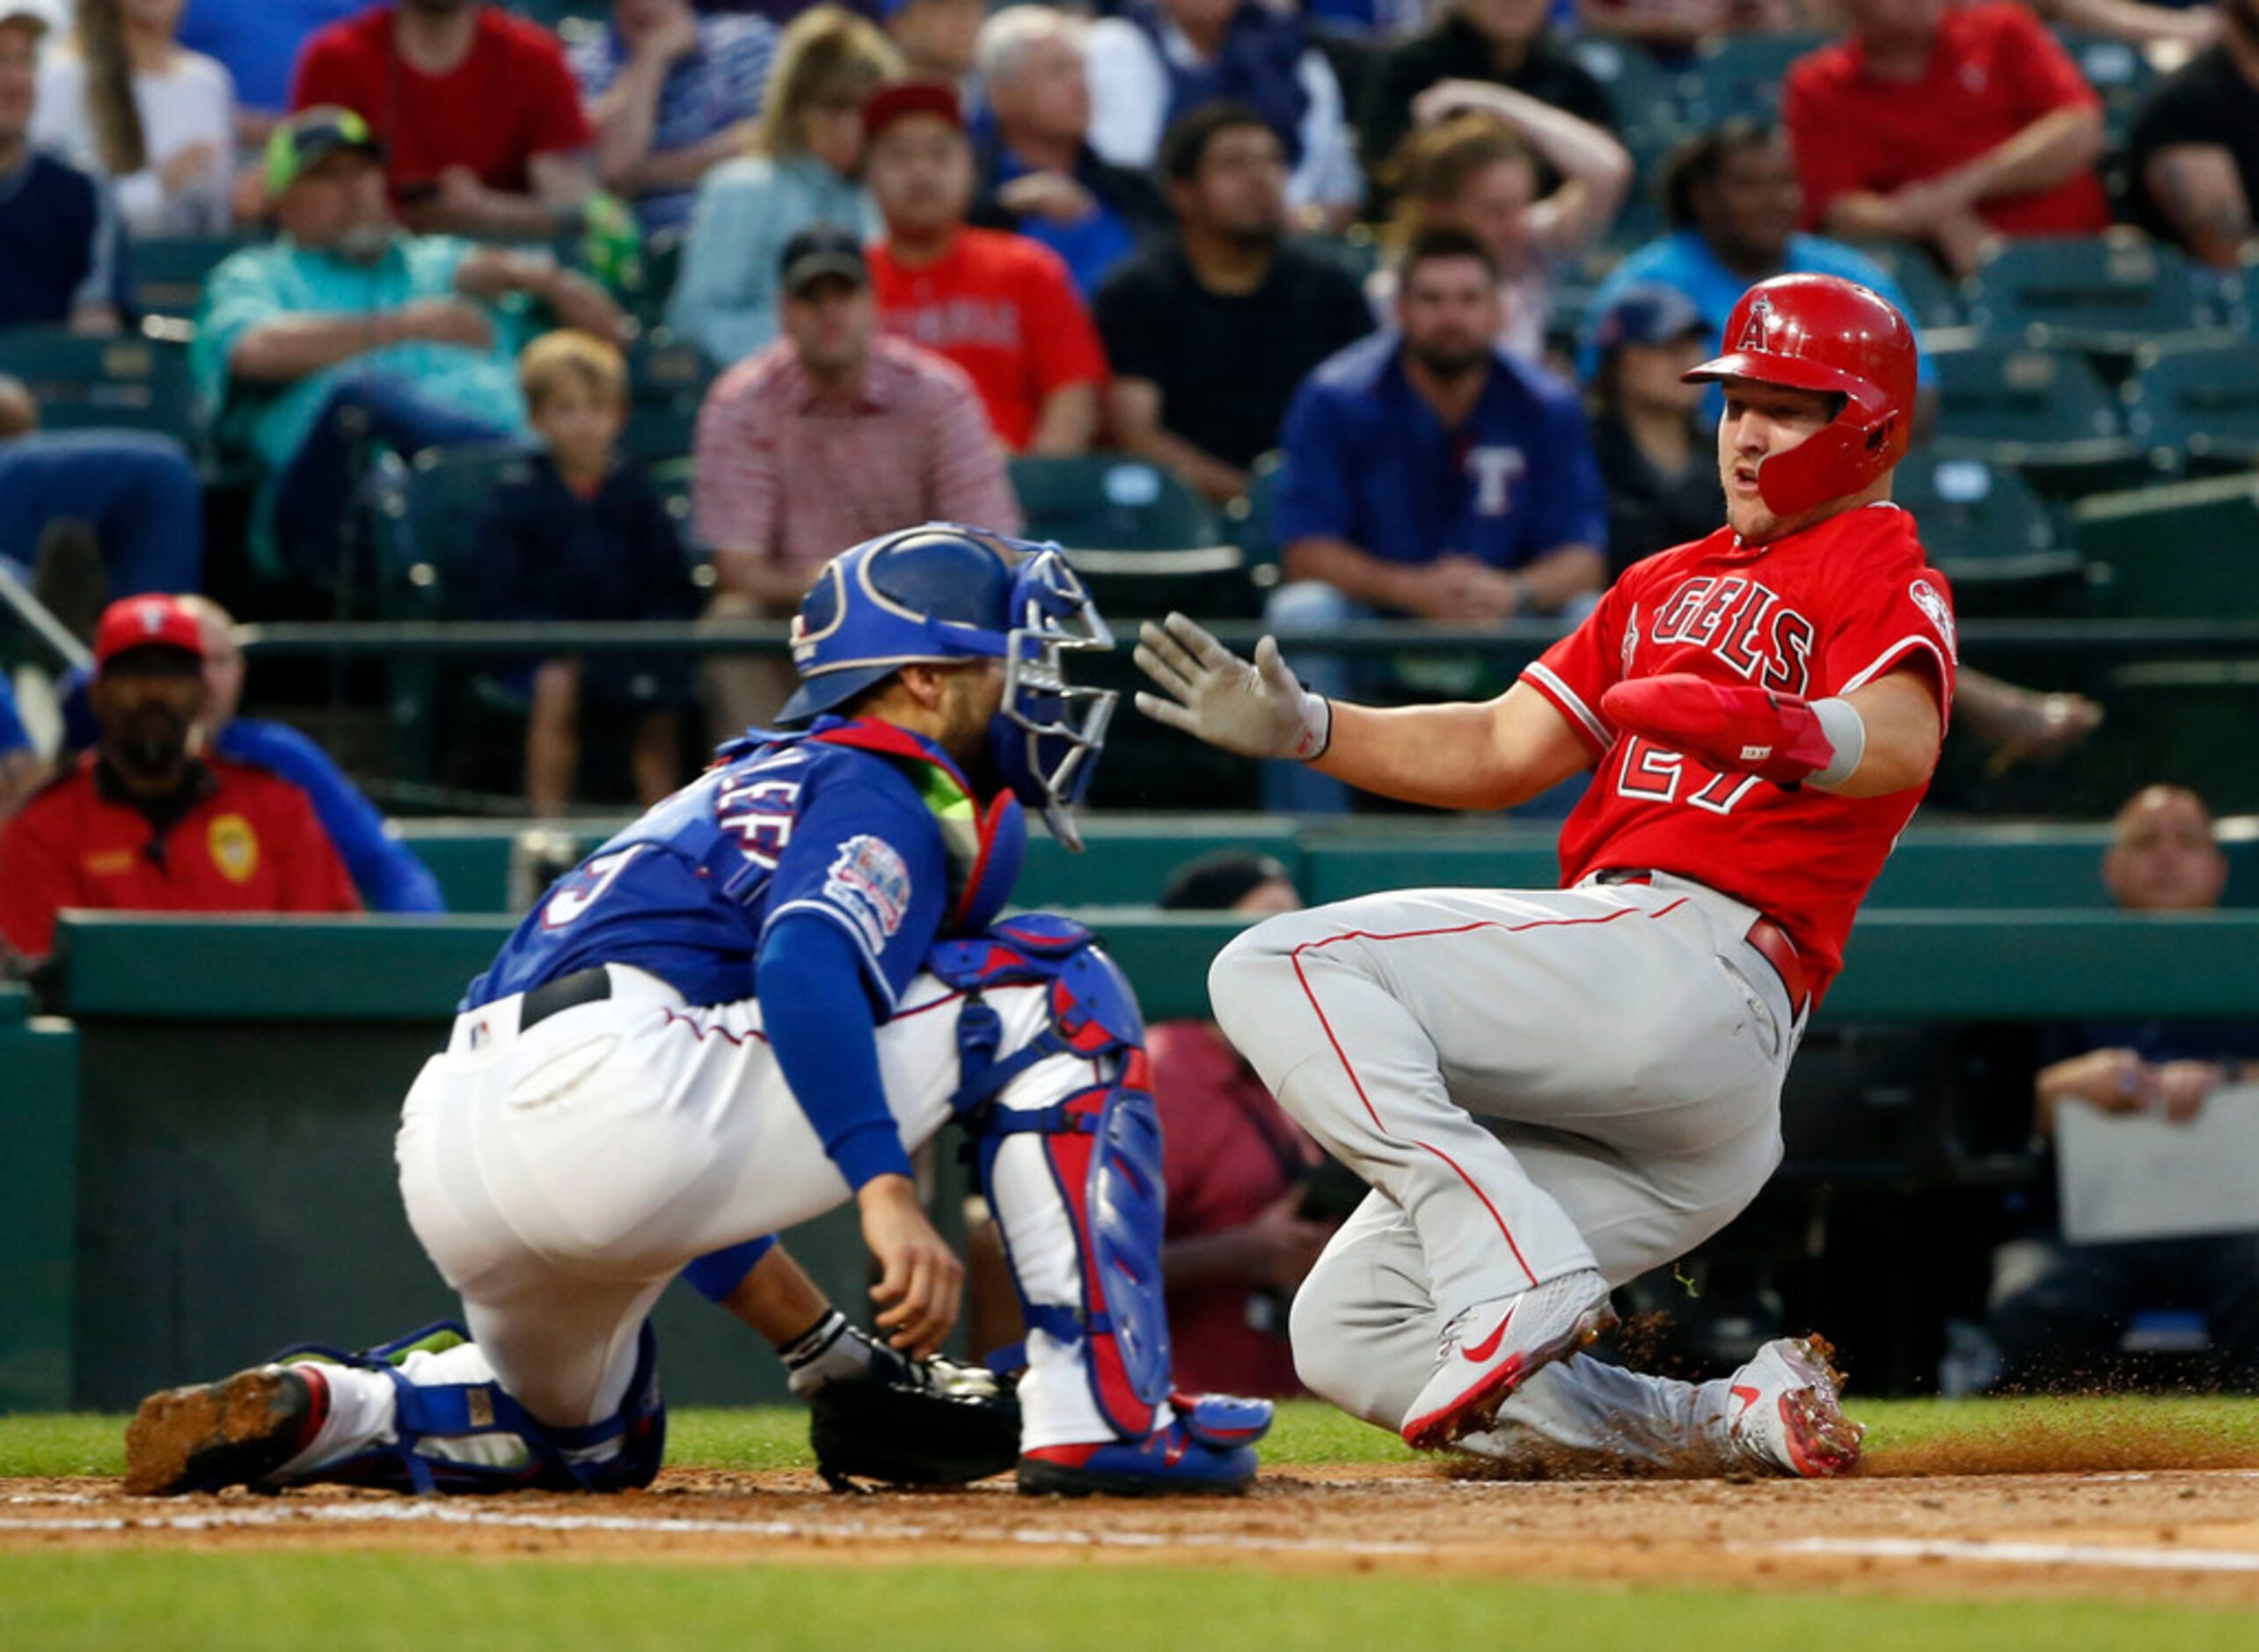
(326, 325)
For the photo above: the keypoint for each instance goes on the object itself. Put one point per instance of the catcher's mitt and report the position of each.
(914, 1422)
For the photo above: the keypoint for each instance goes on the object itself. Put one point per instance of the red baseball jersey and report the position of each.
(241, 840)
(1821, 612)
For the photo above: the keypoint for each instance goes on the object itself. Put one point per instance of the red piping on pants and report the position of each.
(1356, 1084)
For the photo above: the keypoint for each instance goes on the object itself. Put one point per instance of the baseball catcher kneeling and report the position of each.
(743, 1010)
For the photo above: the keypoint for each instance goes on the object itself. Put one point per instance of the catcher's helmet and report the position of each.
(943, 592)
(1819, 333)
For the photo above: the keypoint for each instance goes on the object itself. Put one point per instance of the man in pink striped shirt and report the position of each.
(832, 436)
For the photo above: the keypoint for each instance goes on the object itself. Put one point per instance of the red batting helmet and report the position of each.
(1820, 332)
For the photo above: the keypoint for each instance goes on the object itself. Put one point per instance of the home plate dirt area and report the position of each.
(2188, 1535)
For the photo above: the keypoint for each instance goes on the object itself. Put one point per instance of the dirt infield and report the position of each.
(2187, 1535)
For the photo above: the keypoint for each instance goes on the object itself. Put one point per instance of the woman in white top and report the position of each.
(1474, 160)
(126, 100)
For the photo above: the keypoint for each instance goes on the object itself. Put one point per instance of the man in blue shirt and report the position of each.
(749, 1008)
(1429, 474)
(670, 93)
(61, 232)
(1038, 174)
(1733, 202)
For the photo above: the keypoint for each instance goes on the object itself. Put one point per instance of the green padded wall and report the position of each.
(39, 1126)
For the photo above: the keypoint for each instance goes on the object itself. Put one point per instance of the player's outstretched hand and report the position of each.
(920, 1277)
(1257, 710)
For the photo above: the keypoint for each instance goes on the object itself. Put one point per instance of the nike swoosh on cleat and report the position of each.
(1748, 1396)
(1489, 1345)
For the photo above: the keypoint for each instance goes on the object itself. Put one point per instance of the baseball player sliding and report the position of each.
(1551, 1093)
(743, 1010)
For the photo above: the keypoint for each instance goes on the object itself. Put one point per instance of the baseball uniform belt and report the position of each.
(567, 992)
(1770, 941)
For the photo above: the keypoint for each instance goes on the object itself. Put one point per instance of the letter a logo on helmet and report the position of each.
(1752, 334)
(1821, 333)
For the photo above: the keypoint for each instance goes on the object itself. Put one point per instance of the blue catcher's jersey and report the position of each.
(786, 824)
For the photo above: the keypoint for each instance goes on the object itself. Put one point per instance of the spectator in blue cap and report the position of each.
(1657, 462)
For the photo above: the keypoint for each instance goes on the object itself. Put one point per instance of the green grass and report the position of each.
(1308, 1432)
(297, 1600)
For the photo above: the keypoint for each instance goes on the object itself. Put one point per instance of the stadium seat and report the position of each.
(2107, 295)
(434, 515)
(2201, 406)
(1980, 522)
(2045, 414)
(1251, 518)
(1935, 300)
(2187, 550)
(169, 273)
(1104, 502)
(668, 380)
(1741, 73)
(1644, 94)
(126, 382)
(2120, 73)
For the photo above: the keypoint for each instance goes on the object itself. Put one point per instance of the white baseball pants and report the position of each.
(559, 1177)
(1532, 1083)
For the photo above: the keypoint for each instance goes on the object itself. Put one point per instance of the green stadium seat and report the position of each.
(1981, 523)
(169, 273)
(1104, 502)
(668, 379)
(2107, 295)
(435, 517)
(2187, 550)
(1936, 301)
(2044, 413)
(1644, 94)
(126, 382)
(1741, 73)
(2201, 406)
(1251, 516)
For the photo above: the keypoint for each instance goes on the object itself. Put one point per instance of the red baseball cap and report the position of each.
(889, 103)
(146, 622)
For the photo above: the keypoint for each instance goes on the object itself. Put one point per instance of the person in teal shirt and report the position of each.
(347, 332)
(1733, 202)
(809, 146)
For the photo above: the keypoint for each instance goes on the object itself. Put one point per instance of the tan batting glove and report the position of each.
(1258, 710)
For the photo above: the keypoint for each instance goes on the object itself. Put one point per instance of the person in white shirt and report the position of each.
(125, 100)
(1158, 59)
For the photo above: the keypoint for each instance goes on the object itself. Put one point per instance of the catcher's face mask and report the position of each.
(1046, 740)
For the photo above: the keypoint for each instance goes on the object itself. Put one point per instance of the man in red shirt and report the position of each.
(142, 823)
(1945, 124)
(999, 305)
(478, 112)
(1552, 1092)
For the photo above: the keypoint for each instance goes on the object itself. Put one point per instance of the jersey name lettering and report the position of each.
(759, 810)
(1742, 622)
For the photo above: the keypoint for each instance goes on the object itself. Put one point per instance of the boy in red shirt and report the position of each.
(1945, 124)
(142, 823)
(478, 112)
(999, 305)
(1553, 1092)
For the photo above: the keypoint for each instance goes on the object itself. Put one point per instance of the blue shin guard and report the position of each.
(472, 1436)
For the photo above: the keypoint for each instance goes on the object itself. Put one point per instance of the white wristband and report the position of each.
(1847, 732)
(1317, 728)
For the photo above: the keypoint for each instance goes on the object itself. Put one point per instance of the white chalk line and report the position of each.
(454, 1514)
(2024, 1553)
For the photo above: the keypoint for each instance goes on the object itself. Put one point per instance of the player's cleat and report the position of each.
(1489, 1349)
(1222, 1420)
(1168, 1462)
(233, 1432)
(1788, 1411)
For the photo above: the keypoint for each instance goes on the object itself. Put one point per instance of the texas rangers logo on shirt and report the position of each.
(1932, 603)
(869, 883)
